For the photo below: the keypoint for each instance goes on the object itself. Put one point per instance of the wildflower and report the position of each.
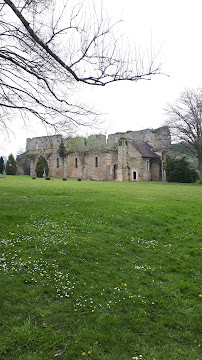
(200, 295)
(83, 353)
(42, 275)
(75, 309)
(12, 233)
(4, 265)
(97, 262)
(169, 244)
(89, 352)
(84, 283)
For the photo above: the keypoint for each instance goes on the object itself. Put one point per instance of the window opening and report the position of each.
(115, 171)
(76, 163)
(58, 163)
(134, 175)
(96, 161)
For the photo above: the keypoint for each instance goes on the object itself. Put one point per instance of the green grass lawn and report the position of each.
(99, 270)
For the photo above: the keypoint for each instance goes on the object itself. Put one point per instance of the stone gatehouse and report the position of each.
(129, 156)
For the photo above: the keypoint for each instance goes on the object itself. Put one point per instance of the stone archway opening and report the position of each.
(134, 176)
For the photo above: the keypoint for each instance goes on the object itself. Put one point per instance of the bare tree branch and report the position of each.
(47, 48)
(185, 122)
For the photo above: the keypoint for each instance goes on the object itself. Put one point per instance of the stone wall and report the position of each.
(26, 164)
(158, 138)
(94, 165)
(100, 165)
(94, 158)
(55, 164)
(133, 167)
(156, 170)
(43, 144)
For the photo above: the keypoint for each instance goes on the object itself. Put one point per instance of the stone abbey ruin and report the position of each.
(129, 156)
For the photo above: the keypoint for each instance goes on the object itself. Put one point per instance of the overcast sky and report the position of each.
(172, 28)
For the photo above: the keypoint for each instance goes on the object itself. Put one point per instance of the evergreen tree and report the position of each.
(41, 167)
(11, 167)
(1, 165)
(62, 150)
(178, 170)
(62, 153)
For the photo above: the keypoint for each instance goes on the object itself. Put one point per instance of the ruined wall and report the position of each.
(76, 165)
(158, 138)
(92, 158)
(55, 164)
(96, 142)
(122, 172)
(100, 165)
(155, 169)
(26, 164)
(95, 165)
(43, 144)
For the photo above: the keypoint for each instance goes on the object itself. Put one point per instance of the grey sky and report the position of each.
(170, 28)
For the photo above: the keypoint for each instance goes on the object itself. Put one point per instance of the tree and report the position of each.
(11, 168)
(1, 165)
(50, 46)
(185, 122)
(62, 153)
(41, 167)
(178, 170)
(62, 150)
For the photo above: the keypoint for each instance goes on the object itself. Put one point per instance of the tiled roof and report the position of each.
(145, 149)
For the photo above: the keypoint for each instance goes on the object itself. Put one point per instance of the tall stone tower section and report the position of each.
(122, 171)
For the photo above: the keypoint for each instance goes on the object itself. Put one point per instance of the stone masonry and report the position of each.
(129, 156)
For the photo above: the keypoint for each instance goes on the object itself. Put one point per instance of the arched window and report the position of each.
(96, 161)
(76, 163)
(58, 164)
(134, 175)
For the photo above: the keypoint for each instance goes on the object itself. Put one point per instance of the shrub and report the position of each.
(11, 168)
(178, 170)
(41, 167)
(1, 165)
